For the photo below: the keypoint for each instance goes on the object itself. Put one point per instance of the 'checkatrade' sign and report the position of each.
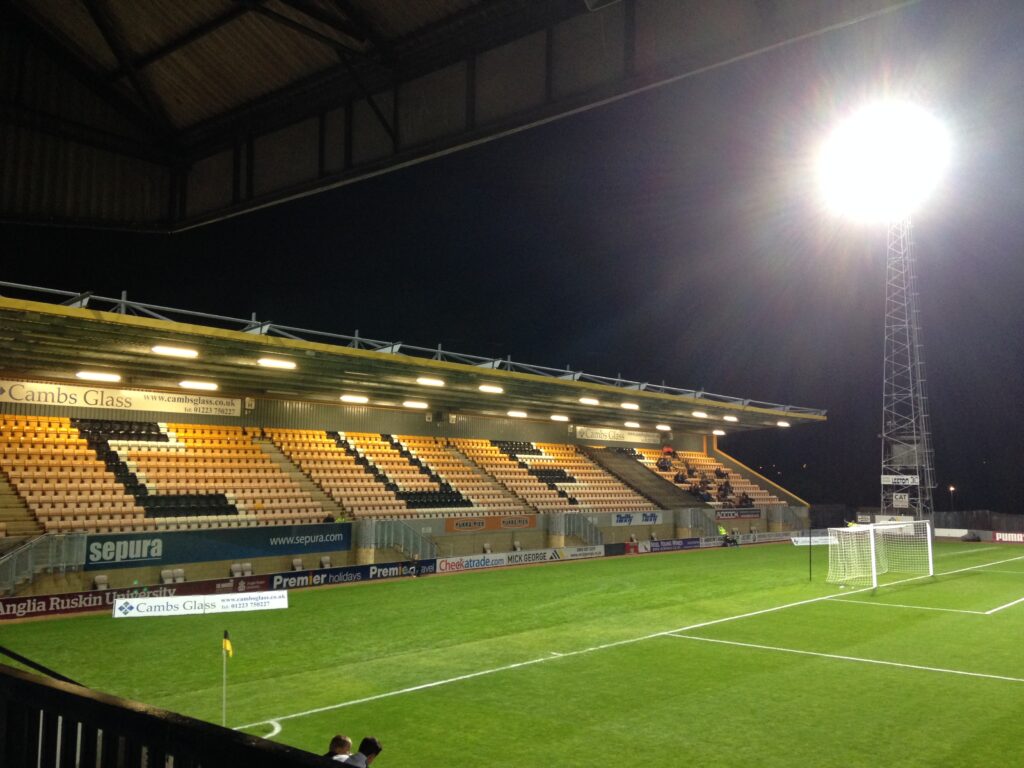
(135, 550)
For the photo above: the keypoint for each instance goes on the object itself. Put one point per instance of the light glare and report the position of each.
(427, 381)
(98, 376)
(161, 349)
(662, 427)
(517, 414)
(358, 399)
(733, 419)
(631, 406)
(632, 424)
(270, 362)
(491, 389)
(207, 386)
(883, 162)
(590, 401)
(718, 432)
(559, 417)
(417, 404)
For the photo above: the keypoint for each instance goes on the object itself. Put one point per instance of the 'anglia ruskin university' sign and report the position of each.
(136, 550)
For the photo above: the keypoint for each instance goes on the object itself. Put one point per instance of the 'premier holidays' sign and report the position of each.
(73, 396)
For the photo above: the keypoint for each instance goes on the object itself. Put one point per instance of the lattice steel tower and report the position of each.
(906, 432)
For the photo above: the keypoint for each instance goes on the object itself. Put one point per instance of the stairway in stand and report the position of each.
(15, 517)
(330, 506)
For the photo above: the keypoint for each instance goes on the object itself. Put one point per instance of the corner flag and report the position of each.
(226, 645)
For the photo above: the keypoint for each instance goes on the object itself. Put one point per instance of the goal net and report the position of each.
(859, 554)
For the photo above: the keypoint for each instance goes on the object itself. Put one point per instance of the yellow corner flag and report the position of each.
(226, 645)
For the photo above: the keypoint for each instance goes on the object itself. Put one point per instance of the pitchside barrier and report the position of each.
(46, 723)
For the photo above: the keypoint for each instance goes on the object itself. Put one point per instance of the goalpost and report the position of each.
(859, 553)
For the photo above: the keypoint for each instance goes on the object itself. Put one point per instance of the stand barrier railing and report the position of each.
(50, 552)
(54, 724)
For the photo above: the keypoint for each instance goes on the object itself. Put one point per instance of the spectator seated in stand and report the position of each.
(664, 464)
(680, 478)
(690, 471)
(720, 473)
(745, 500)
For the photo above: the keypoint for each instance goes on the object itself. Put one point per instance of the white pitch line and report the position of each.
(918, 607)
(1001, 607)
(275, 728)
(602, 647)
(840, 657)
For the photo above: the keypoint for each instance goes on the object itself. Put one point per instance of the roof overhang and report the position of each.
(51, 342)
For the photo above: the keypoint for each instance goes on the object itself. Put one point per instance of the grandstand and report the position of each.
(106, 459)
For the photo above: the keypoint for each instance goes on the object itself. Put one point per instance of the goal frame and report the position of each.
(871, 530)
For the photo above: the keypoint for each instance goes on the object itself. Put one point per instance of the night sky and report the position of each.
(673, 236)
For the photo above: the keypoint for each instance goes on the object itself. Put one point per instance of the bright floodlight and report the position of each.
(883, 162)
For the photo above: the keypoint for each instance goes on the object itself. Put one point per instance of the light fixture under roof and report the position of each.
(491, 389)
(98, 376)
(357, 399)
(590, 401)
(559, 417)
(718, 432)
(632, 424)
(700, 415)
(733, 419)
(429, 381)
(630, 406)
(517, 414)
(163, 349)
(207, 386)
(662, 427)
(781, 423)
(270, 362)
(417, 404)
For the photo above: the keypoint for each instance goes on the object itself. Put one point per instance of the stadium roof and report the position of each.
(165, 114)
(52, 342)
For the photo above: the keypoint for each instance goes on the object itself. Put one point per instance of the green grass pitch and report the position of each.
(711, 658)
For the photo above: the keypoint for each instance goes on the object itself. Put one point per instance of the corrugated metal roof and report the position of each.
(240, 52)
(233, 65)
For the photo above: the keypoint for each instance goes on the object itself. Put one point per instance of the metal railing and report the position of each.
(394, 534)
(123, 306)
(50, 552)
(577, 524)
(55, 724)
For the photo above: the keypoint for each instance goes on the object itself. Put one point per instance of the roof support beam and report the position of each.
(291, 23)
(358, 20)
(61, 52)
(316, 13)
(120, 50)
(63, 128)
(180, 42)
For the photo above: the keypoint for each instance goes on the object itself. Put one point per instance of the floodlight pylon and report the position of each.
(908, 472)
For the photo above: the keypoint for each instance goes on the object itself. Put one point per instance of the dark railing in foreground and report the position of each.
(48, 723)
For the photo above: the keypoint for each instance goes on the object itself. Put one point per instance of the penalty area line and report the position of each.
(840, 657)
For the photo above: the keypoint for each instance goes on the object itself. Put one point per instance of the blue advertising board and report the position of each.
(134, 550)
(672, 545)
(351, 573)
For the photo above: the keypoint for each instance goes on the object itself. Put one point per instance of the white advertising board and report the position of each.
(901, 480)
(74, 396)
(527, 557)
(175, 605)
(617, 435)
